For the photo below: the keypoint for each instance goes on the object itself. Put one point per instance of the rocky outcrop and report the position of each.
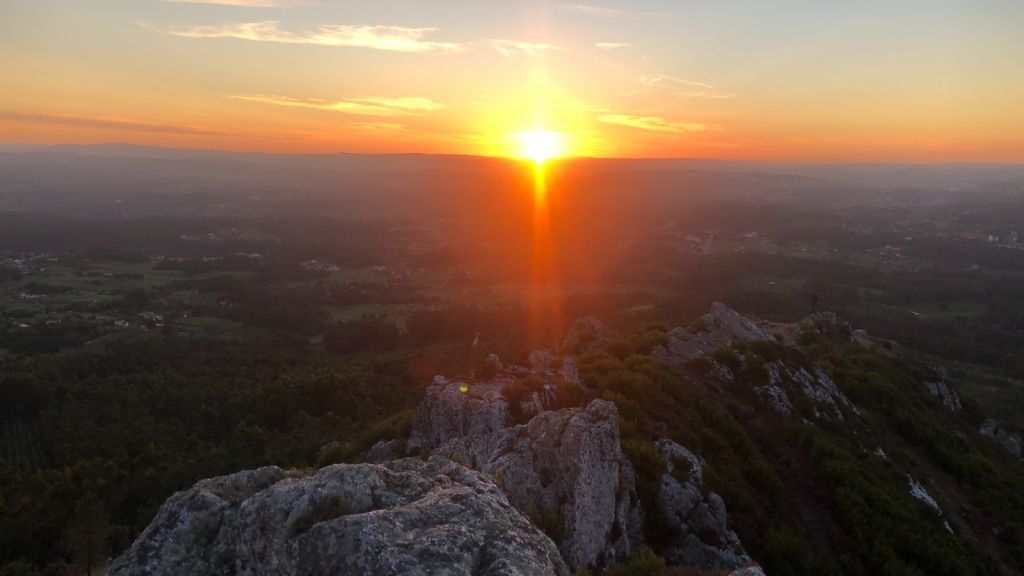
(407, 517)
(828, 399)
(587, 335)
(828, 324)
(566, 469)
(748, 571)
(385, 451)
(720, 327)
(921, 494)
(701, 536)
(1006, 438)
(865, 340)
(945, 392)
(569, 372)
(773, 394)
(452, 409)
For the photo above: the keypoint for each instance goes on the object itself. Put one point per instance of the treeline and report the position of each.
(96, 442)
(458, 323)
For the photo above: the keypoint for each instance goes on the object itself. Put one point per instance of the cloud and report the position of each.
(612, 45)
(364, 106)
(686, 88)
(602, 12)
(411, 103)
(245, 3)
(670, 81)
(652, 123)
(380, 126)
(392, 38)
(516, 47)
(105, 123)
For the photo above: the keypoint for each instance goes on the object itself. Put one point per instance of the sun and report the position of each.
(540, 145)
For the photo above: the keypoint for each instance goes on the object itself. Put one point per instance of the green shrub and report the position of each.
(727, 357)
(643, 563)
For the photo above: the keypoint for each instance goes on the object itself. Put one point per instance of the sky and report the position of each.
(793, 80)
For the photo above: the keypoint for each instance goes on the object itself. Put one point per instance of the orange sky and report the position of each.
(922, 80)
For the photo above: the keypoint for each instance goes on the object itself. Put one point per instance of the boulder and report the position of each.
(449, 412)
(569, 372)
(542, 362)
(701, 537)
(587, 335)
(385, 451)
(407, 517)
(1006, 438)
(865, 340)
(945, 392)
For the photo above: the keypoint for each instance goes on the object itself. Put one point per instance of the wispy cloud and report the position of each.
(380, 126)
(612, 45)
(652, 123)
(105, 122)
(517, 47)
(686, 88)
(365, 106)
(671, 81)
(393, 38)
(604, 12)
(411, 103)
(246, 3)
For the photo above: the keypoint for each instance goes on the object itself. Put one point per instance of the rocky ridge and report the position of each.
(565, 469)
(723, 327)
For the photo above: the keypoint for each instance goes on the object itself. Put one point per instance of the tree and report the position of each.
(88, 534)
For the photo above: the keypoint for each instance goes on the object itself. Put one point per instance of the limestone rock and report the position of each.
(702, 538)
(1007, 439)
(587, 335)
(920, 493)
(569, 372)
(890, 347)
(828, 399)
(748, 571)
(946, 393)
(406, 517)
(542, 361)
(447, 412)
(495, 362)
(944, 390)
(828, 324)
(385, 450)
(567, 466)
(719, 327)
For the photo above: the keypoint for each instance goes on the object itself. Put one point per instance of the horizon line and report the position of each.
(40, 146)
